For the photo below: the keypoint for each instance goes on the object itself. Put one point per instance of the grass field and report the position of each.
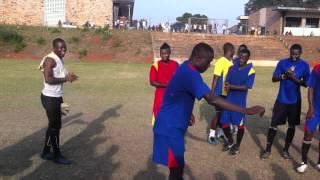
(108, 133)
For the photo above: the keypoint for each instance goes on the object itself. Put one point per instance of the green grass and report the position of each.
(108, 132)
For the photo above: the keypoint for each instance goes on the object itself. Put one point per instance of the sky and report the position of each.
(167, 10)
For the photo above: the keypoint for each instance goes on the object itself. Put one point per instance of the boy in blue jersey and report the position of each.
(292, 73)
(313, 117)
(239, 80)
(174, 116)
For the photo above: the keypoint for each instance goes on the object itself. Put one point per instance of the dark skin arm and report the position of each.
(231, 87)
(310, 112)
(222, 103)
(48, 66)
(214, 83)
(289, 75)
(158, 85)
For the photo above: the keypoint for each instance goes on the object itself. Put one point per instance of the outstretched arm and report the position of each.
(157, 84)
(224, 104)
(214, 83)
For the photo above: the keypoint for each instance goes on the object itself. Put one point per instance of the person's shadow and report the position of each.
(82, 149)
(17, 157)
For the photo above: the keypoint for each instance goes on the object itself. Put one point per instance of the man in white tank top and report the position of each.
(55, 75)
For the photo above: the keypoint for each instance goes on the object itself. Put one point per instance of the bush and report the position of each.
(41, 41)
(55, 31)
(82, 53)
(74, 39)
(19, 47)
(13, 38)
(104, 32)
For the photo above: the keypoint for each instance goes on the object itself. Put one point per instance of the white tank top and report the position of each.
(54, 90)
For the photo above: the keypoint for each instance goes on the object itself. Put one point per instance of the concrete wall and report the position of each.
(31, 12)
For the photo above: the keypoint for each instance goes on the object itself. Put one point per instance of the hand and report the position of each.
(227, 86)
(256, 110)
(310, 113)
(192, 120)
(290, 73)
(72, 77)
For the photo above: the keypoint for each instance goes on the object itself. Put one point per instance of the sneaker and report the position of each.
(302, 168)
(62, 160)
(286, 155)
(265, 155)
(46, 156)
(212, 140)
(227, 146)
(234, 150)
(318, 167)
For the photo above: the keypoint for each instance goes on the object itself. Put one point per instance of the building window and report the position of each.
(293, 22)
(54, 11)
(312, 22)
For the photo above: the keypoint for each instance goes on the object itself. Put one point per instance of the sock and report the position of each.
(271, 134)
(240, 135)
(228, 134)
(212, 133)
(289, 138)
(47, 143)
(305, 149)
(54, 137)
(176, 173)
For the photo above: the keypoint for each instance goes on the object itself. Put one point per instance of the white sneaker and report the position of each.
(302, 168)
(318, 167)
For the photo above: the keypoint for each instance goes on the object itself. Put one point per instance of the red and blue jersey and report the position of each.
(161, 72)
(175, 112)
(289, 91)
(314, 82)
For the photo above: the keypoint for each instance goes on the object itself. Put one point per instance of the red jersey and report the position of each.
(161, 72)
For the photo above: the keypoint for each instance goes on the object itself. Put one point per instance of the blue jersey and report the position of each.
(239, 77)
(289, 91)
(176, 109)
(314, 82)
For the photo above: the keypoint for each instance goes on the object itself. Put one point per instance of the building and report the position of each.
(297, 21)
(75, 12)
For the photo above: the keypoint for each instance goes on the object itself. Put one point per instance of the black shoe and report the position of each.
(61, 160)
(234, 150)
(265, 155)
(46, 156)
(286, 155)
(227, 147)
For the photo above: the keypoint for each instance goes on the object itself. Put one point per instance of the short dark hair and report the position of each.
(245, 51)
(297, 47)
(56, 41)
(227, 47)
(202, 50)
(165, 46)
(243, 46)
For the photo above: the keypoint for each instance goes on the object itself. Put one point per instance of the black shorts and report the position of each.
(219, 109)
(282, 113)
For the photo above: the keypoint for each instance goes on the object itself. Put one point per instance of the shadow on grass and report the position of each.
(16, 158)
(279, 172)
(82, 149)
(243, 175)
(152, 172)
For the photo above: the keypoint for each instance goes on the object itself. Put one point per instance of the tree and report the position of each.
(199, 19)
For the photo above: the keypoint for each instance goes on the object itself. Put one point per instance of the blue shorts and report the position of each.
(312, 124)
(234, 118)
(168, 151)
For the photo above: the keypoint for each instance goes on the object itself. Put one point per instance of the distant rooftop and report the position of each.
(296, 9)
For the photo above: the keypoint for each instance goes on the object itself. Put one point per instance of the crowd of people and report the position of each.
(177, 87)
(233, 77)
